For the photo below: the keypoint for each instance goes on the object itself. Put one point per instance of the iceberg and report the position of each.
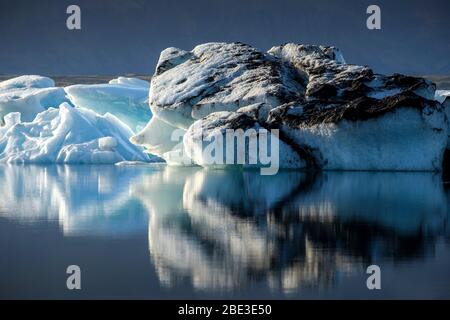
(407, 139)
(29, 95)
(217, 77)
(126, 98)
(442, 96)
(215, 128)
(158, 137)
(68, 135)
(331, 115)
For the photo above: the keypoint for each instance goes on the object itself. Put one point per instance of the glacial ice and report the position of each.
(217, 77)
(442, 95)
(330, 114)
(213, 128)
(41, 123)
(158, 137)
(29, 95)
(67, 135)
(126, 98)
(402, 140)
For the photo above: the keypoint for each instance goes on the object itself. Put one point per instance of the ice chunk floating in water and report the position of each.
(29, 95)
(126, 98)
(67, 135)
(330, 114)
(442, 95)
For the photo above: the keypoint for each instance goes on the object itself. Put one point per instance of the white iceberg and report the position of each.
(329, 114)
(189, 85)
(126, 98)
(442, 95)
(68, 135)
(208, 143)
(130, 82)
(158, 137)
(407, 139)
(29, 95)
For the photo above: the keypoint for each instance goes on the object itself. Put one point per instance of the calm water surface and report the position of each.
(158, 232)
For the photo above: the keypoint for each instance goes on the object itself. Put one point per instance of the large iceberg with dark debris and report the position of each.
(329, 114)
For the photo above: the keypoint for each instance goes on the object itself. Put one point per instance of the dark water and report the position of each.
(156, 232)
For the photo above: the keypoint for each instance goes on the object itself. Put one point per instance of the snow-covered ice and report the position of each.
(330, 114)
(29, 95)
(68, 135)
(41, 123)
(217, 77)
(158, 137)
(126, 98)
(403, 140)
(207, 142)
(442, 95)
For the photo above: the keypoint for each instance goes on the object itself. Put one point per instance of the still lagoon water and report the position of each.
(185, 233)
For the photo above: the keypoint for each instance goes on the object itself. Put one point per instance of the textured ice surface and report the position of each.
(166, 141)
(401, 140)
(206, 142)
(331, 115)
(67, 135)
(40, 126)
(29, 95)
(217, 77)
(442, 95)
(126, 98)
(158, 137)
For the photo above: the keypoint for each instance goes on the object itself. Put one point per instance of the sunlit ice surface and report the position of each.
(161, 232)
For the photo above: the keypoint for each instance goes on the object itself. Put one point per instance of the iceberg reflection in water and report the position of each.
(222, 231)
(228, 229)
